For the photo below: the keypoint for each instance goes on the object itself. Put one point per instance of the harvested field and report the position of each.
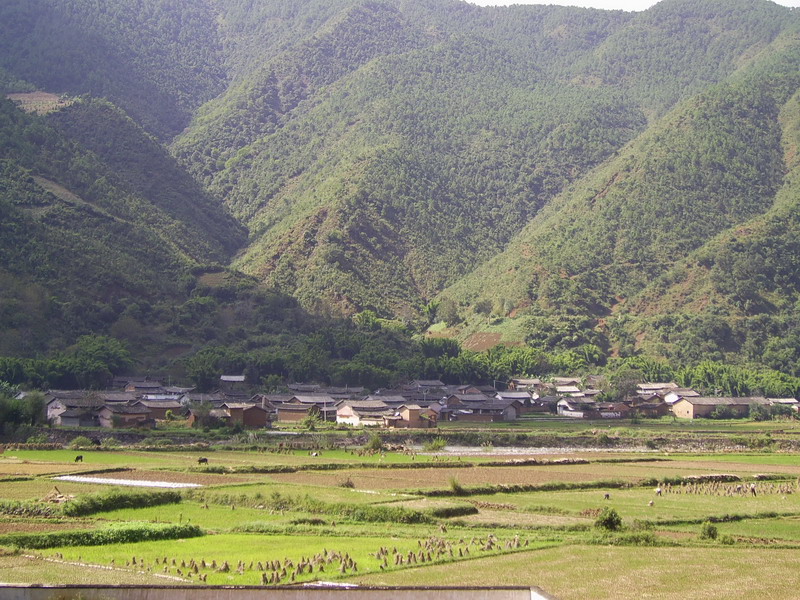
(521, 519)
(23, 468)
(411, 479)
(37, 489)
(42, 525)
(182, 477)
(25, 569)
(612, 573)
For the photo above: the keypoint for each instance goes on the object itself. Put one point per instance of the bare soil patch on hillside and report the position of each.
(478, 342)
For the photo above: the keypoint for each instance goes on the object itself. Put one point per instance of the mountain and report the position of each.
(547, 175)
(95, 215)
(673, 246)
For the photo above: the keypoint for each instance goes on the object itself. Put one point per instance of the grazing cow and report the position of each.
(606, 496)
(202, 460)
(79, 458)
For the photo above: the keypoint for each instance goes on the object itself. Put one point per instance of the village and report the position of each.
(141, 403)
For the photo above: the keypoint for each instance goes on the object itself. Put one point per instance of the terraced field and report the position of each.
(287, 517)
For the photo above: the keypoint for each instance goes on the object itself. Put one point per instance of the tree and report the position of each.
(448, 312)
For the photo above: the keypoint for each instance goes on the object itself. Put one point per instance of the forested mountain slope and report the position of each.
(573, 174)
(95, 215)
(157, 59)
(709, 177)
(396, 146)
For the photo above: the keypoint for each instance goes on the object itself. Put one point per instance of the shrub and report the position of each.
(110, 442)
(609, 520)
(37, 438)
(436, 444)
(456, 487)
(347, 483)
(81, 442)
(708, 531)
(374, 443)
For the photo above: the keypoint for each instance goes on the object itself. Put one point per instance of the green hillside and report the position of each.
(226, 172)
(95, 217)
(157, 59)
(694, 204)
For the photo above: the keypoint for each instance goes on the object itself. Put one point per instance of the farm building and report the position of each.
(248, 415)
(692, 408)
(362, 412)
(121, 415)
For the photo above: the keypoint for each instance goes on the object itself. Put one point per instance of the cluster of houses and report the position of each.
(657, 400)
(420, 404)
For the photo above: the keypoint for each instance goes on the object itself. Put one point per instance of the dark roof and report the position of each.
(117, 396)
(365, 404)
(161, 403)
(232, 378)
(316, 400)
(514, 395)
(303, 387)
(126, 409)
(145, 385)
(90, 402)
(470, 397)
(719, 401)
(425, 383)
(76, 413)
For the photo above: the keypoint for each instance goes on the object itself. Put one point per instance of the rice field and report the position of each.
(353, 518)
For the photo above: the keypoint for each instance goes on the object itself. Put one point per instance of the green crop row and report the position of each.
(89, 504)
(113, 535)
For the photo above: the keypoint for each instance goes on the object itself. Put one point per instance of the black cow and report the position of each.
(79, 458)
(202, 460)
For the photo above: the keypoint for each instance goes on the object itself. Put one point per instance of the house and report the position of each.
(692, 408)
(220, 414)
(411, 416)
(394, 400)
(425, 384)
(231, 383)
(575, 407)
(523, 397)
(61, 401)
(159, 408)
(581, 408)
(140, 388)
(300, 406)
(368, 413)
(566, 381)
(569, 390)
(644, 389)
(304, 388)
(248, 415)
(118, 415)
(491, 410)
(77, 417)
(672, 396)
(521, 383)
(790, 402)
(650, 407)
(344, 393)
